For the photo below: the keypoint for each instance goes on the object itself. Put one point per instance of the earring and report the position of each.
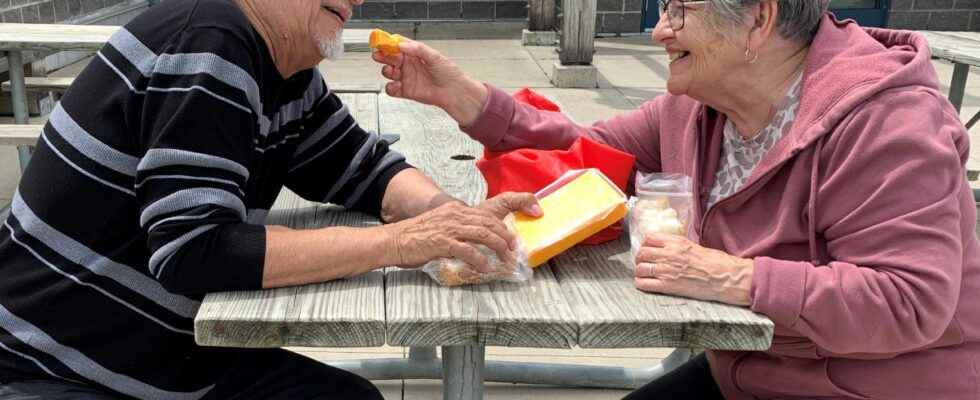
(749, 57)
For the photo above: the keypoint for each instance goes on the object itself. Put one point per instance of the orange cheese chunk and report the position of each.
(384, 41)
(574, 211)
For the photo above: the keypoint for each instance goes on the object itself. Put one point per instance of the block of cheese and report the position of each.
(576, 206)
(384, 41)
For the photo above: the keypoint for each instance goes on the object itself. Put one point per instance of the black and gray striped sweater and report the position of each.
(147, 190)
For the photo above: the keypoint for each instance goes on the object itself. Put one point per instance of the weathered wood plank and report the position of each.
(54, 37)
(19, 135)
(422, 313)
(612, 313)
(43, 84)
(363, 107)
(340, 313)
(577, 42)
(953, 48)
(541, 15)
(59, 37)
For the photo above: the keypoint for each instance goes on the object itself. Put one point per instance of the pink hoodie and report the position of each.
(860, 220)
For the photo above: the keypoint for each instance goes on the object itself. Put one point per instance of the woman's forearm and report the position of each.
(469, 103)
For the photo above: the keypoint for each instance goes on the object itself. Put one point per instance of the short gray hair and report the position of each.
(797, 21)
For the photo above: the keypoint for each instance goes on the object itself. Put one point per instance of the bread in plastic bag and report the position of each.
(662, 204)
(455, 272)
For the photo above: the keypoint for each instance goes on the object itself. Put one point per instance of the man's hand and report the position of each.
(420, 73)
(674, 265)
(506, 203)
(451, 231)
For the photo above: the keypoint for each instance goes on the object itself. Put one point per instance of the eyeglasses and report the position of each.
(674, 9)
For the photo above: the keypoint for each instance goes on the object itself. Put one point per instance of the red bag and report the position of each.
(530, 97)
(529, 170)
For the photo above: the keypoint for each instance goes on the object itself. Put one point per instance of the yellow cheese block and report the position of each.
(578, 209)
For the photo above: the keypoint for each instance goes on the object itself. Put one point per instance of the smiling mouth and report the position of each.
(335, 12)
(674, 56)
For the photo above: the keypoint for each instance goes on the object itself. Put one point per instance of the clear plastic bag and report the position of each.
(662, 204)
(454, 272)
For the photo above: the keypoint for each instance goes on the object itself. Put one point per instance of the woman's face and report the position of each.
(700, 56)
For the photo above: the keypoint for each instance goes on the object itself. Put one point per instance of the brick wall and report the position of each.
(50, 11)
(381, 10)
(619, 16)
(612, 16)
(941, 15)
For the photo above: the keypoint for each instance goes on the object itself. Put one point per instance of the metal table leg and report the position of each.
(422, 363)
(18, 100)
(462, 372)
(957, 87)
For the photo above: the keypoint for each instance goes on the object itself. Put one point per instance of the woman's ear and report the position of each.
(762, 19)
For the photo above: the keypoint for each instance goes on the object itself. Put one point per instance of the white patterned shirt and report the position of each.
(739, 156)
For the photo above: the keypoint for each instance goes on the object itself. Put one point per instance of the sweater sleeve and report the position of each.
(889, 191)
(338, 162)
(504, 124)
(198, 122)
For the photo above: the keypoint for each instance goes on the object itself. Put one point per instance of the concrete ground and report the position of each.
(630, 71)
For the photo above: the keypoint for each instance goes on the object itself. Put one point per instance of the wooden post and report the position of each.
(541, 15)
(577, 41)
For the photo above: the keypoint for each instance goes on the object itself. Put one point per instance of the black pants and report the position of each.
(253, 374)
(692, 381)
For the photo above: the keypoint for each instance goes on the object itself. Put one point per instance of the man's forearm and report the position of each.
(410, 193)
(296, 257)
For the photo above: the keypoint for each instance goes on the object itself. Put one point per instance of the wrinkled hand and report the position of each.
(422, 74)
(674, 265)
(452, 230)
(506, 203)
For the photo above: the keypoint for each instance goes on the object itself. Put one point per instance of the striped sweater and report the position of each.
(147, 190)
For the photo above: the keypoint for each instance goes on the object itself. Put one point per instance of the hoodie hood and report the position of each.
(846, 66)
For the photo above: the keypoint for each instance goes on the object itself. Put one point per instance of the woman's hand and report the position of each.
(671, 264)
(422, 74)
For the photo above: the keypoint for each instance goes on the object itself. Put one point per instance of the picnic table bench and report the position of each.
(17, 38)
(582, 298)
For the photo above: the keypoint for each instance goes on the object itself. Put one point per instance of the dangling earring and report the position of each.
(750, 58)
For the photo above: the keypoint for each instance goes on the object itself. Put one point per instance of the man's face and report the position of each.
(327, 23)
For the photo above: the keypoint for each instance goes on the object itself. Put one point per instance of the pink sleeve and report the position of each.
(888, 211)
(506, 124)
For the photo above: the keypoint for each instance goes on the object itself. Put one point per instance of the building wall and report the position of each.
(941, 15)
(441, 10)
(51, 11)
(612, 16)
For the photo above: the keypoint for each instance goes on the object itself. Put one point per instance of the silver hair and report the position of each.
(797, 20)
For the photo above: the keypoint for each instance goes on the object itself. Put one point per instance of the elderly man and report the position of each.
(173, 144)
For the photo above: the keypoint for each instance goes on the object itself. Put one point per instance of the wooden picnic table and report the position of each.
(17, 38)
(962, 49)
(582, 298)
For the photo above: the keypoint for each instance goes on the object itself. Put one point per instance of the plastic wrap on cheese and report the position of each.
(576, 206)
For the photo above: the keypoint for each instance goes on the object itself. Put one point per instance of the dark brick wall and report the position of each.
(49, 11)
(940, 15)
(612, 16)
(619, 16)
(441, 10)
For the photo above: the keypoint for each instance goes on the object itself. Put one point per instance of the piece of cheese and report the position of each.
(578, 209)
(384, 41)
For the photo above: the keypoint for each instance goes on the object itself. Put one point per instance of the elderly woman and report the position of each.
(831, 197)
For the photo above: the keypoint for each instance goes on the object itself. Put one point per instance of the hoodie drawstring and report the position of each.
(812, 207)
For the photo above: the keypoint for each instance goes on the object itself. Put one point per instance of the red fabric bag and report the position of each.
(529, 170)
